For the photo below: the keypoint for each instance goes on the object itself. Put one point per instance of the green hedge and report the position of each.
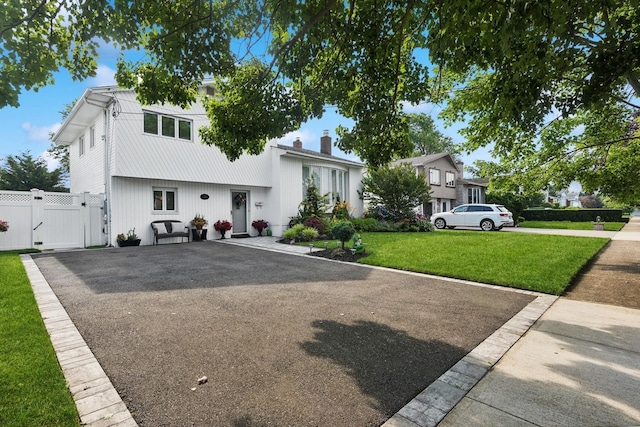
(573, 215)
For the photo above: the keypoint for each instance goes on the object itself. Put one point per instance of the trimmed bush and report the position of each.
(343, 231)
(580, 215)
(365, 224)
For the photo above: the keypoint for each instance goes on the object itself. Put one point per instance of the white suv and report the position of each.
(487, 217)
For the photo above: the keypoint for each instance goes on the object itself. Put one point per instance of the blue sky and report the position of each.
(27, 127)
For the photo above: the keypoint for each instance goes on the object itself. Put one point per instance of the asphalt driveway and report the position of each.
(283, 339)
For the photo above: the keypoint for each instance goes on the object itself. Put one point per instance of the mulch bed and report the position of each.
(340, 254)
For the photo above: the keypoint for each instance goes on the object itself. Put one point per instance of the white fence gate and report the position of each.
(44, 220)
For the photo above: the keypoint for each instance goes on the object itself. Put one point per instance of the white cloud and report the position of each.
(39, 133)
(310, 140)
(105, 76)
(52, 163)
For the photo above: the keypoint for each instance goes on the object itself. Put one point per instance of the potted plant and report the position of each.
(131, 239)
(198, 221)
(259, 224)
(4, 226)
(222, 226)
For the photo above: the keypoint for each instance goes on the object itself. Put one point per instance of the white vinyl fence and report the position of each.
(44, 220)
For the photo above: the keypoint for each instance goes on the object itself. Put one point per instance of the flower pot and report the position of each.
(222, 233)
(124, 243)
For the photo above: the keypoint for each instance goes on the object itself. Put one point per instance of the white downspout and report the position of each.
(107, 176)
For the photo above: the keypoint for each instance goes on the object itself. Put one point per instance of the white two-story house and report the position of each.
(150, 164)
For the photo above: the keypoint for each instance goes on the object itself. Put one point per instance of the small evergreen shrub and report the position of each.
(343, 231)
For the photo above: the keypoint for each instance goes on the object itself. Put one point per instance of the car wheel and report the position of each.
(440, 223)
(486, 225)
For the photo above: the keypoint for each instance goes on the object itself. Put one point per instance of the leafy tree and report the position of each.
(399, 189)
(23, 172)
(590, 201)
(516, 203)
(512, 64)
(427, 139)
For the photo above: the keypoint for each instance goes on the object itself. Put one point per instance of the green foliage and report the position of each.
(343, 231)
(608, 215)
(300, 233)
(399, 189)
(23, 172)
(513, 65)
(313, 205)
(28, 365)
(566, 225)
(365, 224)
(516, 203)
(427, 139)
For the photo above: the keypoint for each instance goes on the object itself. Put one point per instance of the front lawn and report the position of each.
(536, 262)
(567, 225)
(33, 389)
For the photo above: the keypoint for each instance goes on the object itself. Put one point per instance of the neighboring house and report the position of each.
(150, 164)
(564, 198)
(445, 177)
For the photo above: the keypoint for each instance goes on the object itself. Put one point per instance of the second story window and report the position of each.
(434, 176)
(450, 179)
(158, 124)
(81, 146)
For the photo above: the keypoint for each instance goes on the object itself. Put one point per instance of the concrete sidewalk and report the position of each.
(579, 365)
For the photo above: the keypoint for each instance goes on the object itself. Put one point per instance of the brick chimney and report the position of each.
(325, 143)
(297, 143)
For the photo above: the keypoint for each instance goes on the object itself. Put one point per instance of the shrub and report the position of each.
(365, 224)
(292, 233)
(343, 231)
(314, 222)
(309, 234)
(300, 233)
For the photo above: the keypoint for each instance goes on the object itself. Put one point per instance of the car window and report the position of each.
(474, 209)
(460, 209)
(486, 209)
(503, 209)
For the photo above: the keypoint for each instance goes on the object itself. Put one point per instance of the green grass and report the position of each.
(33, 391)
(536, 262)
(566, 225)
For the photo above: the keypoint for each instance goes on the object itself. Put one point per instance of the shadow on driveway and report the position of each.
(283, 339)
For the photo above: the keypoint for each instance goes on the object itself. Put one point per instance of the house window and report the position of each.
(92, 137)
(330, 181)
(473, 195)
(166, 126)
(151, 123)
(184, 129)
(450, 179)
(81, 146)
(434, 176)
(164, 199)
